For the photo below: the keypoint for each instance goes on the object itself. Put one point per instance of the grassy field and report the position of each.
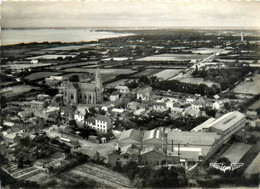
(147, 72)
(19, 89)
(254, 167)
(22, 66)
(71, 47)
(167, 74)
(40, 75)
(236, 151)
(71, 65)
(119, 82)
(173, 57)
(249, 87)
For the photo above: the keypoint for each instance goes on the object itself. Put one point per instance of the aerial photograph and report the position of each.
(129, 94)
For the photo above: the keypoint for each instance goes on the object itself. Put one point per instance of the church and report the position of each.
(83, 93)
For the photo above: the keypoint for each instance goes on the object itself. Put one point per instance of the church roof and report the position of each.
(87, 86)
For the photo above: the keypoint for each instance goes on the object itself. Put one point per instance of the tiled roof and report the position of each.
(104, 118)
(150, 149)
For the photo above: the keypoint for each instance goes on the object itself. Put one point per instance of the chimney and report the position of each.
(178, 149)
(172, 145)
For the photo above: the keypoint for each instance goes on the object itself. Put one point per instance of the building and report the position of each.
(84, 93)
(159, 106)
(131, 136)
(124, 155)
(100, 123)
(203, 127)
(152, 156)
(122, 89)
(114, 97)
(228, 124)
(37, 104)
(155, 138)
(144, 94)
(191, 146)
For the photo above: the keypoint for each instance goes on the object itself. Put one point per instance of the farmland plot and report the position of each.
(166, 74)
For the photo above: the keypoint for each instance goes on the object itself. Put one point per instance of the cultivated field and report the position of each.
(101, 175)
(116, 59)
(23, 66)
(167, 74)
(208, 51)
(236, 151)
(40, 75)
(249, 87)
(71, 65)
(49, 56)
(173, 57)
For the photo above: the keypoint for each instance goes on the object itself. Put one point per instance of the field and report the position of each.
(116, 59)
(208, 51)
(71, 47)
(173, 57)
(119, 82)
(49, 56)
(71, 65)
(236, 151)
(147, 72)
(101, 175)
(254, 167)
(19, 89)
(40, 75)
(249, 87)
(22, 66)
(167, 74)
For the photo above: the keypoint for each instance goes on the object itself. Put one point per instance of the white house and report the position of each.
(122, 89)
(114, 97)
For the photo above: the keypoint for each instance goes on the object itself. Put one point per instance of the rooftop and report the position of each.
(192, 138)
(226, 121)
(153, 134)
(131, 133)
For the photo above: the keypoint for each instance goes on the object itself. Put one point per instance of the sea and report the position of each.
(16, 36)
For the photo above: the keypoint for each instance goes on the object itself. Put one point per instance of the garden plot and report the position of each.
(148, 72)
(194, 80)
(236, 151)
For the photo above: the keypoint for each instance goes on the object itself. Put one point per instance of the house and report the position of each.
(80, 114)
(133, 105)
(124, 155)
(217, 105)
(197, 105)
(177, 110)
(252, 114)
(25, 114)
(191, 112)
(144, 94)
(190, 100)
(107, 107)
(139, 112)
(103, 123)
(152, 156)
(117, 110)
(114, 97)
(38, 105)
(131, 136)
(159, 106)
(122, 89)
(91, 122)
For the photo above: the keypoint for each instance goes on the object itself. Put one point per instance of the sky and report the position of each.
(131, 13)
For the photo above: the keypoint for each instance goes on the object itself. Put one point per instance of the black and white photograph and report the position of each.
(129, 94)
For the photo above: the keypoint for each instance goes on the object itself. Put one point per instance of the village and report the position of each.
(90, 115)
